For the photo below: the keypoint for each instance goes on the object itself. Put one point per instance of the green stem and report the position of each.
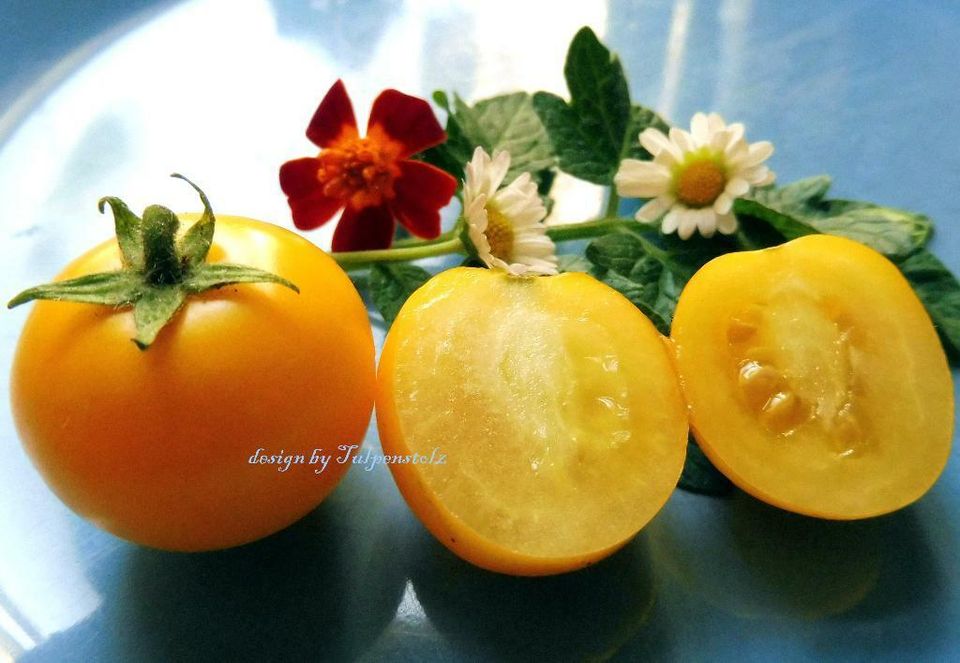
(160, 255)
(416, 241)
(613, 204)
(353, 260)
(566, 232)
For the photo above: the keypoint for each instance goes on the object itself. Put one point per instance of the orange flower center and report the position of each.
(360, 171)
(699, 182)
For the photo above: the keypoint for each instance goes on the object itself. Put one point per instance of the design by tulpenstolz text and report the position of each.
(320, 459)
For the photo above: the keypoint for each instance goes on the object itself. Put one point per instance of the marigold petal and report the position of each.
(298, 178)
(363, 229)
(308, 206)
(421, 190)
(333, 118)
(407, 120)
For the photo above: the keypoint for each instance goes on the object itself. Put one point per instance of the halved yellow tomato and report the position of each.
(542, 417)
(815, 378)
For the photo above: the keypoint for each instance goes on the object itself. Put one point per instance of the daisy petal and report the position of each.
(706, 222)
(407, 120)
(737, 187)
(723, 203)
(700, 128)
(363, 229)
(715, 122)
(687, 224)
(670, 222)
(641, 179)
(654, 209)
(656, 143)
(682, 139)
(727, 224)
(333, 118)
(421, 190)
(770, 178)
(757, 153)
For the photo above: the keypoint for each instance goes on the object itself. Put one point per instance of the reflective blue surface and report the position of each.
(112, 101)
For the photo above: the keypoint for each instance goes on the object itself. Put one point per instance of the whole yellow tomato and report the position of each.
(156, 445)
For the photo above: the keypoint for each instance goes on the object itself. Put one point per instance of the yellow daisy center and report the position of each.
(698, 182)
(499, 234)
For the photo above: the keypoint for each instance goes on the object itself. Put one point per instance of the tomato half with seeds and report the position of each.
(155, 445)
(815, 377)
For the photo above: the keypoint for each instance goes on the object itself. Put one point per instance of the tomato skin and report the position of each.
(153, 445)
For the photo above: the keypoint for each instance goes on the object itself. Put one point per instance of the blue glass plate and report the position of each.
(109, 98)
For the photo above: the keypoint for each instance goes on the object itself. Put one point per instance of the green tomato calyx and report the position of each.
(160, 270)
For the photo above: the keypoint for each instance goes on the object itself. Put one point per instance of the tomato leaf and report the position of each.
(391, 284)
(506, 122)
(648, 269)
(598, 127)
(939, 291)
(700, 476)
(801, 208)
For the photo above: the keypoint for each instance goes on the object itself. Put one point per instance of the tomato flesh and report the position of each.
(815, 378)
(556, 407)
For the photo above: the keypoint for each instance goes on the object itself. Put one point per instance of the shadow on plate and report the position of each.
(759, 562)
(586, 615)
(323, 589)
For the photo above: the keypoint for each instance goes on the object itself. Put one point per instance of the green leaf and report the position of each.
(120, 288)
(796, 197)
(641, 272)
(216, 275)
(506, 122)
(590, 133)
(641, 118)
(939, 291)
(890, 231)
(787, 226)
(129, 231)
(195, 243)
(391, 284)
(574, 263)
(700, 476)
(800, 208)
(156, 308)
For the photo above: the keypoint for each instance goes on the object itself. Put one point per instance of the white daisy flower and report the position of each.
(695, 177)
(505, 225)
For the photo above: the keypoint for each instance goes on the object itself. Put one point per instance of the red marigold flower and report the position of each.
(371, 178)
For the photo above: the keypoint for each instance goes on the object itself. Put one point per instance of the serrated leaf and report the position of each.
(505, 122)
(651, 279)
(800, 207)
(796, 197)
(939, 291)
(590, 133)
(787, 226)
(574, 263)
(700, 476)
(391, 284)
